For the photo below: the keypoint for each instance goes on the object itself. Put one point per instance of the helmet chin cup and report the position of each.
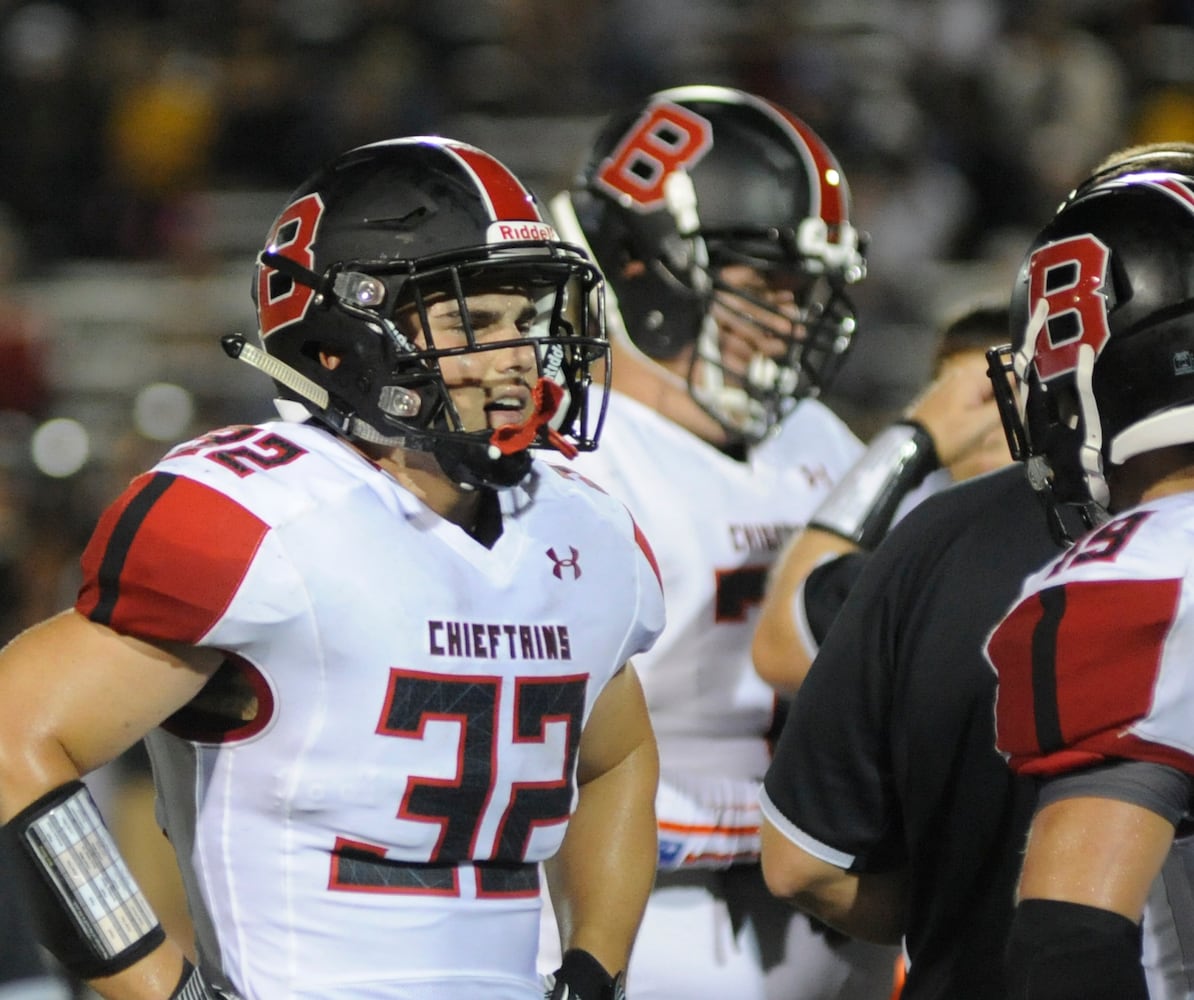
(469, 461)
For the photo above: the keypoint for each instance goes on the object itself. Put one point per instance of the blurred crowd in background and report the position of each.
(146, 145)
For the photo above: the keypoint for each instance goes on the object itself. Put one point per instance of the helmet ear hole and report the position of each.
(313, 351)
(660, 321)
(632, 269)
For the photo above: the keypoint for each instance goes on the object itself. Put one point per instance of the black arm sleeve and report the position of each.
(1067, 951)
(19, 955)
(825, 590)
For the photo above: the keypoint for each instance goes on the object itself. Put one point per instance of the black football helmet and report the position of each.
(699, 178)
(1103, 334)
(385, 229)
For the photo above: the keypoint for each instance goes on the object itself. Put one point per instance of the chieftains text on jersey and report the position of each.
(498, 641)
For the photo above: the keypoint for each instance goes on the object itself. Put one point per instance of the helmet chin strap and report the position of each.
(503, 462)
(239, 349)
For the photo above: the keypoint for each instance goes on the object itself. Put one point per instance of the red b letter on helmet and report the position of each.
(1069, 276)
(292, 236)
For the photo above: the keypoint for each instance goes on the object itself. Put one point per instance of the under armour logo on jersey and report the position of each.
(817, 475)
(571, 563)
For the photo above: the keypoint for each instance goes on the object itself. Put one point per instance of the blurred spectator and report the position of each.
(1054, 102)
(159, 135)
(1165, 111)
(24, 387)
(267, 130)
(52, 115)
(384, 86)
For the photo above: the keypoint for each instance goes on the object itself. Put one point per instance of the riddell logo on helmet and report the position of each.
(510, 232)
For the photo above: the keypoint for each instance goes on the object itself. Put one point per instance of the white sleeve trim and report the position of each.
(38, 988)
(800, 617)
(807, 843)
(804, 631)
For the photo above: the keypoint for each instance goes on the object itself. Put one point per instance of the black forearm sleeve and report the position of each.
(87, 909)
(19, 957)
(1067, 951)
(825, 590)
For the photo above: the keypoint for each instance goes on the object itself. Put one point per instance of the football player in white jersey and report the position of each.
(1096, 690)
(722, 224)
(378, 651)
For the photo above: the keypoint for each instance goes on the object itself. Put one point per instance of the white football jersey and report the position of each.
(716, 525)
(1093, 659)
(372, 827)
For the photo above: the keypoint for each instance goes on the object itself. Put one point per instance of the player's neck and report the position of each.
(420, 474)
(1150, 476)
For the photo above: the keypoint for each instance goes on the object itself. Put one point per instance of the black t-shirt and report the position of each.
(888, 756)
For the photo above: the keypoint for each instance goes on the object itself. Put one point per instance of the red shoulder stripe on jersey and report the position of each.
(1077, 667)
(647, 551)
(1107, 746)
(119, 532)
(508, 198)
(1008, 650)
(166, 558)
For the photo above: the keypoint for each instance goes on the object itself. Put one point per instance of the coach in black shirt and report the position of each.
(888, 811)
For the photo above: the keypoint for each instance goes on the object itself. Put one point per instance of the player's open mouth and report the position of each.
(509, 408)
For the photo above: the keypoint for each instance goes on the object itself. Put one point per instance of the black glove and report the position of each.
(581, 977)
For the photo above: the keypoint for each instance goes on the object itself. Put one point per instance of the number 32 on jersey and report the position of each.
(486, 797)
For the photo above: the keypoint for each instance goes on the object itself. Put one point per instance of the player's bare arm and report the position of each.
(1088, 868)
(603, 873)
(1095, 851)
(951, 423)
(781, 652)
(108, 691)
(867, 906)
